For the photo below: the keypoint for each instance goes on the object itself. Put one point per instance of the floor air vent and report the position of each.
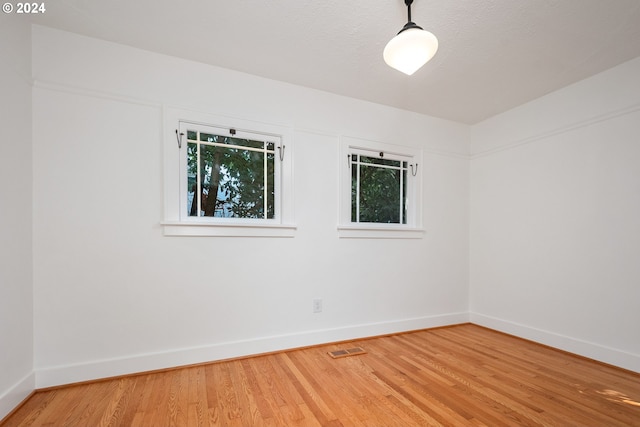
(348, 352)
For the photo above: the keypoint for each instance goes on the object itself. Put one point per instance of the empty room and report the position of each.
(298, 213)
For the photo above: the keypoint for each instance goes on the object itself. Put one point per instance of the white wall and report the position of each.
(113, 295)
(555, 219)
(554, 226)
(16, 294)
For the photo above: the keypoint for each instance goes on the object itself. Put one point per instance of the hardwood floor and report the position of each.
(462, 375)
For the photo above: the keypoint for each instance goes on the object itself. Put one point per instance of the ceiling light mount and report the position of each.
(411, 48)
(410, 23)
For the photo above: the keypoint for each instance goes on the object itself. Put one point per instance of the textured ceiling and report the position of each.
(493, 55)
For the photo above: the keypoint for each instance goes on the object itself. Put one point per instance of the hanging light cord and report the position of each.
(410, 23)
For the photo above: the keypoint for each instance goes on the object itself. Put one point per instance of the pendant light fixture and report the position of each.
(411, 48)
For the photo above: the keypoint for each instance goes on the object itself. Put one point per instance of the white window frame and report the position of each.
(413, 228)
(177, 221)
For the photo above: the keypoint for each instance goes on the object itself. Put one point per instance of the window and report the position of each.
(230, 174)
(380, 190)
(226, 180)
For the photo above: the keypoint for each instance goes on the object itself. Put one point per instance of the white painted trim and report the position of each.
(348, 229)
(371, 232)
(178, 228)
(66, 374)
(12, 397)
(558, 130)
(77, 90)
(59, 375)
(587, 349)
(92, 93)
(175, 224)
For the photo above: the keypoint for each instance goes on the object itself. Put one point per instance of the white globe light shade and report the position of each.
(410, 50)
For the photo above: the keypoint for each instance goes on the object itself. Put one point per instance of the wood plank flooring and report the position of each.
(462, 375)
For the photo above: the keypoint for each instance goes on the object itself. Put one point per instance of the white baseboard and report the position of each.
(59, 375)
(587, 349)
(12, 397)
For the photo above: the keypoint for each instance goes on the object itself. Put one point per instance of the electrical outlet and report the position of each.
(317, 305)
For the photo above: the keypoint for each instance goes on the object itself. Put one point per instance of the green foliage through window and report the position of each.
(229, 177)
(378, 190)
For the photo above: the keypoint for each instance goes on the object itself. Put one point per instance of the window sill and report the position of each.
(227, 230)
(378, 232)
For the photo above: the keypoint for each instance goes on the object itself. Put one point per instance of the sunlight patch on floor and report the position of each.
(616, 396)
